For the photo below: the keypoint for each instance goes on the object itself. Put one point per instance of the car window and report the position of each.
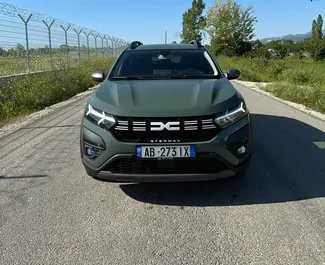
(151, 63)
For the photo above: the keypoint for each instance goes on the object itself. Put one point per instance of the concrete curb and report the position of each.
(23, 121)
(257, 87)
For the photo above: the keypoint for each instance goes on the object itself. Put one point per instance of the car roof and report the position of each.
(165, 46)
(137, 45)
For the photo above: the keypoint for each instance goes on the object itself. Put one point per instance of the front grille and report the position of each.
(185, 129)
(201, 164)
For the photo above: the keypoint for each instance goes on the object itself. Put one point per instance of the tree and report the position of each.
(193, 22)
(315, 45)
(257, 44)
(230, 27)
(317, 49)
(314, 29)
(2, 51)
(319, 27)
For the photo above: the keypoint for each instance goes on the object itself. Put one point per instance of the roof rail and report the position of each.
(196, 43)
(135, 44)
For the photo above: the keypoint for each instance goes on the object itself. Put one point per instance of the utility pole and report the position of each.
(166, 37)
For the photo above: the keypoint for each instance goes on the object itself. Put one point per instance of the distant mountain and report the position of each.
(294, 37)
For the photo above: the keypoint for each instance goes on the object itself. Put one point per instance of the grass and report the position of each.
(298, 80)
(11, 65)
(26, 94)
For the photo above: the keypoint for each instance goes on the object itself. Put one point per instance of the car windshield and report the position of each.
(161, 64)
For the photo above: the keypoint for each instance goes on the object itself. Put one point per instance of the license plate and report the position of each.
(177, 151)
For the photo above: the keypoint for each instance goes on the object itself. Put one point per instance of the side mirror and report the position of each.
(98, 76)
(233, 73)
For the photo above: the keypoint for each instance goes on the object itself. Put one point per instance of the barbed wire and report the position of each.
(12, 11)
(30, 41)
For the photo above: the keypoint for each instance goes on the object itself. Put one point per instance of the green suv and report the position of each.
(165, 112)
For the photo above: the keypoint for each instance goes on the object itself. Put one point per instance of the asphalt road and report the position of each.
(51, 212)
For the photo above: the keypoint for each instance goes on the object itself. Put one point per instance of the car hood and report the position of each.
(165, 98)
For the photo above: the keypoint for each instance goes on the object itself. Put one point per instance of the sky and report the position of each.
(147, 20)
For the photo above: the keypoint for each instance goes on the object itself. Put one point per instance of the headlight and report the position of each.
(101, 118)
(232, 116)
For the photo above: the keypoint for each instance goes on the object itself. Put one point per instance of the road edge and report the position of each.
(257, 87)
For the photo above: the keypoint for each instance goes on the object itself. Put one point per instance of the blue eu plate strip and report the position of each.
(139, 152)
(192, 151)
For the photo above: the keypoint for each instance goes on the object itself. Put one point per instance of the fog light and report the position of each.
(90, 151)
(241, 150)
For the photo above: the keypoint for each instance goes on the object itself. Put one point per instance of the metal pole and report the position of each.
(111, 39)
(113, 46)
(66, 40)
(87, 35)
(95, 37)
(102, 50)
(121, 46)
(78, 35)
(107, 47)
(27, 44)
(116, 46)
(50, 42)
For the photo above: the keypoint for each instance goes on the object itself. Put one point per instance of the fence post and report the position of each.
(102, 50)
(118, 47)
(87, 35)
(50, 42)
(66, 40)
(78, 35)
(27, 44)
(121, 46)
(95, 37)
(111, 39)
(106, 46)
(115, 45)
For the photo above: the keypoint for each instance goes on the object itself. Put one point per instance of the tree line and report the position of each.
(231, 30)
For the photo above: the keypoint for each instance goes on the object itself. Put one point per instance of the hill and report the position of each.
(294, 37)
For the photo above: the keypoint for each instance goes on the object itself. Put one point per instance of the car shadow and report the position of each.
(287, 165)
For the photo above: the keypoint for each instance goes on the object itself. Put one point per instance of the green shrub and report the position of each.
(27, 94)
(297, 80)
(270, 70)
(312, 97)
(275, 70)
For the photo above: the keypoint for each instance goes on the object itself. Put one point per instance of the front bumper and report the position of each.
(116, 161)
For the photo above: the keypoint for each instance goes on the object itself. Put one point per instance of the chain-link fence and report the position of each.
(32, 42)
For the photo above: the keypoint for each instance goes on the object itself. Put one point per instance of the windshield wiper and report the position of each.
(128, 77)
(194, 77)
(139, 77)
